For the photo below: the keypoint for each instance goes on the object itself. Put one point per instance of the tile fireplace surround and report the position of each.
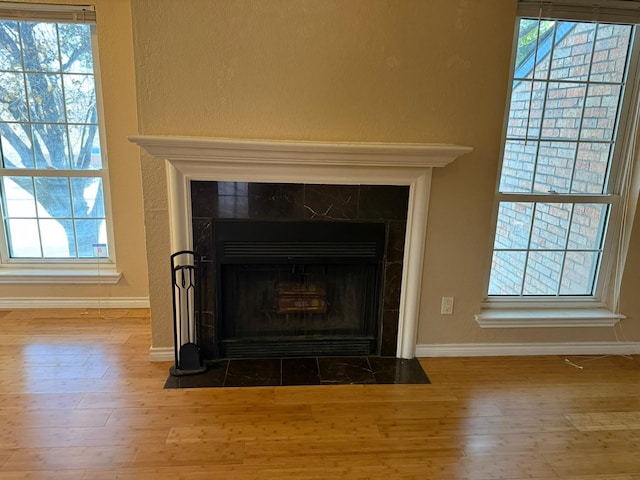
(190, 159)
(286, 203)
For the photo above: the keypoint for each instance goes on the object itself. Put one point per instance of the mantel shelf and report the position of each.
(421, 155)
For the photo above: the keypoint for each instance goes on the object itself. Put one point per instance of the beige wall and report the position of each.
(119, 97)
(357, 70)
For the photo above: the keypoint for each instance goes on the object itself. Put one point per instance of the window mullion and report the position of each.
(539, 139)
(40, 237)
(37, 219)
(73, 217)
(566, 247)
(528, 251)
(544, 97)
(27, 96)
(533, 78)
(584, 107)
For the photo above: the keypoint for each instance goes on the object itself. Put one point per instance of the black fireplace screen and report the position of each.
(298, 288)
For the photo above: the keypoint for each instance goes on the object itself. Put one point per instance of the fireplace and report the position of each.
(290, 288)
(274, 232)
(189, 159)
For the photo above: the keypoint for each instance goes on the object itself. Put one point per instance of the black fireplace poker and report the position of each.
(185, 276)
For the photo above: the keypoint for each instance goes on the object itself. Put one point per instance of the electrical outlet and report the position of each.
(446, 308)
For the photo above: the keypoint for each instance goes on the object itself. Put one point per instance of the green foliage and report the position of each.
(530, 33)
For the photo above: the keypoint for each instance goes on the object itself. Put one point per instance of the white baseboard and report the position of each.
(521, 349)
(165, 354)
(161, 354)
(71, 302)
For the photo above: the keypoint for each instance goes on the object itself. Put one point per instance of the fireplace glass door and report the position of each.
(306, 297)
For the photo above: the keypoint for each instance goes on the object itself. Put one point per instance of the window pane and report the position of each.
(572, 52)
(85, 147)
(591, 169)
(564, 238)
(600, 113)
(45, 97)
(518, 165)
(90, 233)
(554, 168)
(18, 197)
(507, 271)
(13, 101)
(51, 146)
(53, 197)
(57, 238)
(24, 238)
(578, 273)
(531, 35)
(525, 114)
(15, 142)
(548, 34)
(550, 226)
(87, 197)
(40, 46)
(76, 48)
(563, 109)
(11, 53)
(610, 53)
(587, 226)
(80, 99)
(514, 225)
(543, 273)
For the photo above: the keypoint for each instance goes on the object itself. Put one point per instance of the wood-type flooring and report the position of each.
(79, 399)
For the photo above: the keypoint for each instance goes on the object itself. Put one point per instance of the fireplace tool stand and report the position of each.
(185, 275)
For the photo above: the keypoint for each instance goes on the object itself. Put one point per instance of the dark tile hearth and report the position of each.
(304, 371)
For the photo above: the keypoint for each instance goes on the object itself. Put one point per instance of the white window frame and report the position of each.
(602, 308)
(62, 271)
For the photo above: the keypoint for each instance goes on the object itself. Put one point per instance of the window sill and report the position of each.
(546, 317)
(101, 275)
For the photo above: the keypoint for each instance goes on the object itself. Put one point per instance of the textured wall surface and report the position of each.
(365, 70)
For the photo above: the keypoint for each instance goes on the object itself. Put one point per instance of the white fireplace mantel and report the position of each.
(236, 160)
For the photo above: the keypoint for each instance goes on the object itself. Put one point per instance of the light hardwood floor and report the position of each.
(80, 400)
